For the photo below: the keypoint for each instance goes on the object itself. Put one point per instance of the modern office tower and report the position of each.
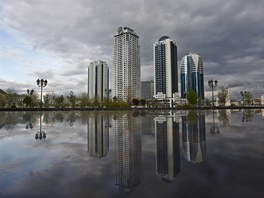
(98, 80)
(147, 89)
(126, 62)
(167, 147)
(98, 134)
(127, 152)
(165, 68)
(192, 76)
(194, 137)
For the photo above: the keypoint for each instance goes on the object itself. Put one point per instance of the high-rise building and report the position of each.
(126, 62)
(147, 89)
(167, 147)
(98, 80)
(165, 68)
(192, 76)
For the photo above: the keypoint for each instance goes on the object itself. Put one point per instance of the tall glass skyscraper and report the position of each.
(165, 68)
(192, 77)
(98, 80)
(126, 62)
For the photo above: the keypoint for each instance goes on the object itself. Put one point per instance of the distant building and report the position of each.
(147, 89)
(98, 80)
(126, 63)
(192, 75)
(165, 68)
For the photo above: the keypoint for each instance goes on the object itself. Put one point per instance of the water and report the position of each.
(132, 154)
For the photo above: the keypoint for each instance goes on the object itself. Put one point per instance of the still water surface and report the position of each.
(132, 154)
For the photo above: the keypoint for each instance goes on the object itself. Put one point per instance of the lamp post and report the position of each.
(30, 93)
(41, 83)
(108, 91)
(243, 94)
(212, 84)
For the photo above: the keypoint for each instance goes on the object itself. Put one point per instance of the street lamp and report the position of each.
(30, 93)
(41, 83)
(243, 94)
(212, 84)
(108, 91)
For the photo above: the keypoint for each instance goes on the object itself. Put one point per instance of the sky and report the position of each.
(57, 39)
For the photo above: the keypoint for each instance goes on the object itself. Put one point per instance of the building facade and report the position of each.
(165, 68)
(147, 89)
(98, 80)
(126, 63)
(192, 75)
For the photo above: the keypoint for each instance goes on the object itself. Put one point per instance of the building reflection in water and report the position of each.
(127, 150)
(194, 136)
(98, 134)
(167, 147)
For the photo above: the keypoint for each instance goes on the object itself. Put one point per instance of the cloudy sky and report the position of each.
(56, 39)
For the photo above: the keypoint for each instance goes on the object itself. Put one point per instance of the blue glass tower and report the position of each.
(192, 77)
(165, 67)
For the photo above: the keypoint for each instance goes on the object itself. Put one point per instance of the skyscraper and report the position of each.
(98, 79)
(165, 68)
(126, 62)
(192, 77)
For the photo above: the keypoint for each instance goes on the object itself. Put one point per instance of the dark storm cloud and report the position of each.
(227, 34)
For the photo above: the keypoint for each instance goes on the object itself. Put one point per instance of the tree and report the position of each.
(27, 101)
(222, 96)
(207, 102)
(11, 97)
(143, 102)
(83, 100)
(59, 101)
(3, 100)
(192, 97)
(135, 101)
(248, 98)
(72, 99)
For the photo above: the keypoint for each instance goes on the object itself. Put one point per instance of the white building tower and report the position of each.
(126, 62)
(98, 80)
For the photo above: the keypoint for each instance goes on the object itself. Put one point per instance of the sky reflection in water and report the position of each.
(134, 154)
